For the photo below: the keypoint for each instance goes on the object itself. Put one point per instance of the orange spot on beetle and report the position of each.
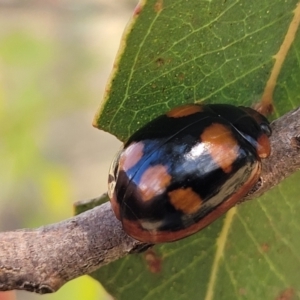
(185, 200)
(154, 182)
(263, 148)
(131, 156)
(221, 145)
(184, 110)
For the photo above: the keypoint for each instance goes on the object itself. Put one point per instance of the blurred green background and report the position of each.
(55, 58)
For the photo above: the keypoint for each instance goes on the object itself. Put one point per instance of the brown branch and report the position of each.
(285, 157)
(43, 259)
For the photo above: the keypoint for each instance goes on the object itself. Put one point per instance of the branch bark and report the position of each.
(43, 259)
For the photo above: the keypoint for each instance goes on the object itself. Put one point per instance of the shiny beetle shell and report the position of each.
(186, 168)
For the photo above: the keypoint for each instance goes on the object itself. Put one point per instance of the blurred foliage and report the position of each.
(49, 70)
(27, 107)
(30, 179)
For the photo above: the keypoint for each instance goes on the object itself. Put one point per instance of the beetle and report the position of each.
(184, 169)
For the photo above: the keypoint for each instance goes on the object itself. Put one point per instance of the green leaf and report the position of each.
(191, 51)
(183, 51)
(82, 206)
